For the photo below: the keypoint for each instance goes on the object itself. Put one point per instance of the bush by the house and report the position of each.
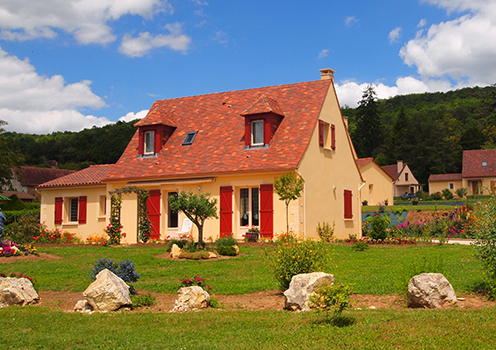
(326, 231)
(226, 250)
(24, 229)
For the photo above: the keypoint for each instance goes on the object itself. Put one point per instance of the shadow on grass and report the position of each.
(338, 321)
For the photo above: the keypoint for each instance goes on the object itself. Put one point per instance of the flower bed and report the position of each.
(388, 240)
(9, 248)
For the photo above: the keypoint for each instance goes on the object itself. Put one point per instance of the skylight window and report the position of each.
(189, 138)
(484, 164)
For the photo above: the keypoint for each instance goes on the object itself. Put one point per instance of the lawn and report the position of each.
(378, 270)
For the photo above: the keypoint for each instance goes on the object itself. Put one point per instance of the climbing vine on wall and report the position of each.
(114, 229)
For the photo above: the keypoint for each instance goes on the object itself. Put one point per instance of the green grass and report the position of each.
(43, 328)
(378, 270)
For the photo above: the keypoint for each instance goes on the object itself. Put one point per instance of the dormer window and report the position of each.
(149, 139)
(257, 133)
(189, 138)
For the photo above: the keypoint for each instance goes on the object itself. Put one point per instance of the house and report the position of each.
(231, 145)
(379, 184)
(478, 174)
(27, 178)
(404, 180)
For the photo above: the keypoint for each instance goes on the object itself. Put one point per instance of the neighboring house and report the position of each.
(478, 174)
(440, 182)
(23, 196)
(28, 178)
(232, 145)
(378, 183)
(404, 181)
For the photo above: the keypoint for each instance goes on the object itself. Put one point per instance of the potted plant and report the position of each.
(252, 234)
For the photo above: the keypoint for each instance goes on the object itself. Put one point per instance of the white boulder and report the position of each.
(191, 298)
(17, 291)
(108, 293)
(302, 286)
(430, 290)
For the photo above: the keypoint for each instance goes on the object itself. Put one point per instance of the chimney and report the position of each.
(399, 166)
(326, 74)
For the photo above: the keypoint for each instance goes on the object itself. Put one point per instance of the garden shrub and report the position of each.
(436, 196)
(179, 242)
(461, 192)
(125, 270)
(447, 194)
(226, 250)
(379, 224)
(286, 238)
(484, 228)
(291, 259)
(359, 246)
(334, 297)
(326, 231)
(227, 241)
(26, 227)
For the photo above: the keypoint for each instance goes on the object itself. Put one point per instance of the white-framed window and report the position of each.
(249, 207)
(257, 133)
(103, 206)
(72, 211)
(149, 140)
(451, 186)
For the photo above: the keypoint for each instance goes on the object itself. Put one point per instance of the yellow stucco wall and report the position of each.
(327, 173)
(378, 187)
(95, 220)
(439, 186)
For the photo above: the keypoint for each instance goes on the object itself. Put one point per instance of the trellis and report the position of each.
(144, 226)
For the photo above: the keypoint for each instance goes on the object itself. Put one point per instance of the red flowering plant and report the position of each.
(17, 275)
(55, 236)
(195, 281)
(114, 231)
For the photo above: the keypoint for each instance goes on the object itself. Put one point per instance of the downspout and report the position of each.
(360, 210)
(304, 206)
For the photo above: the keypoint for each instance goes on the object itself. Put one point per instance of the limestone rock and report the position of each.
(302, 286)
(191, 298)
(430, 290)
(83, 306)
(175, 251)
(108, 293)
(17, 291)
(212, 255)
(236, 248)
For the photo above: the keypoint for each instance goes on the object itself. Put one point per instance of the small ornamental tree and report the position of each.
(196, 207)
(288, 187)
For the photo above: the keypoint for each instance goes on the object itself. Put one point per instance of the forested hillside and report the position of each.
(427, 131)
(73, 150)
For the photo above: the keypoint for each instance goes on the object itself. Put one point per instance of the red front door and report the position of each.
(153, 208)
(226, 213)
(266, 211)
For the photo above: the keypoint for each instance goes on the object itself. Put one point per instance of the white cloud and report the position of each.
(422, 23)
(220, 37)
(349, 21)
(394, 35)
(32, 103)
(323, 53)
(131, 116)
(87, 20)
(137, 47)
(463, 49)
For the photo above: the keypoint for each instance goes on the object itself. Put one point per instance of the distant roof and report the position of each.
(21, 195)
(89, 176)
(445, 177)
(479, 163)
(219, 146)
(392, 170)
(33, 176)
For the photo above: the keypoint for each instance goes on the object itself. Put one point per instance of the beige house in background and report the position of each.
(378, 184)
(232, 145)
(404, 180)
(478, 174)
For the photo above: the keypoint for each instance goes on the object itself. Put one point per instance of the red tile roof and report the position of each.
(444, 177)
(219, 146)
(392, 170)
(32, 176)
(21, 195)
(89, 176)
(473, 163)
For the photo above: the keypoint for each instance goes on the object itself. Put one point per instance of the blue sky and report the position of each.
(72, 64)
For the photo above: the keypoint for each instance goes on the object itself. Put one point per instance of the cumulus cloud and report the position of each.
(141, 45)
(32, 103)
(394, 35)
(132, 116)
(323, 53)
(87, 20)
(463, 49)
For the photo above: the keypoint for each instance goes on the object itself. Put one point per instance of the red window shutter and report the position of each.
(333, 137)
(226, 211)
(348, 204)
(158, 139)
(59, 201)
(267, 131)
(247, 132)
(266, 210)
(321, 133)
(141, 144)
(82, 203)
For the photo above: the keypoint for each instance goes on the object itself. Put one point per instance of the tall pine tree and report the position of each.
(368, 133)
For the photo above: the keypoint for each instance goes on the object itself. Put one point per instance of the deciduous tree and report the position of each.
(288, 187)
